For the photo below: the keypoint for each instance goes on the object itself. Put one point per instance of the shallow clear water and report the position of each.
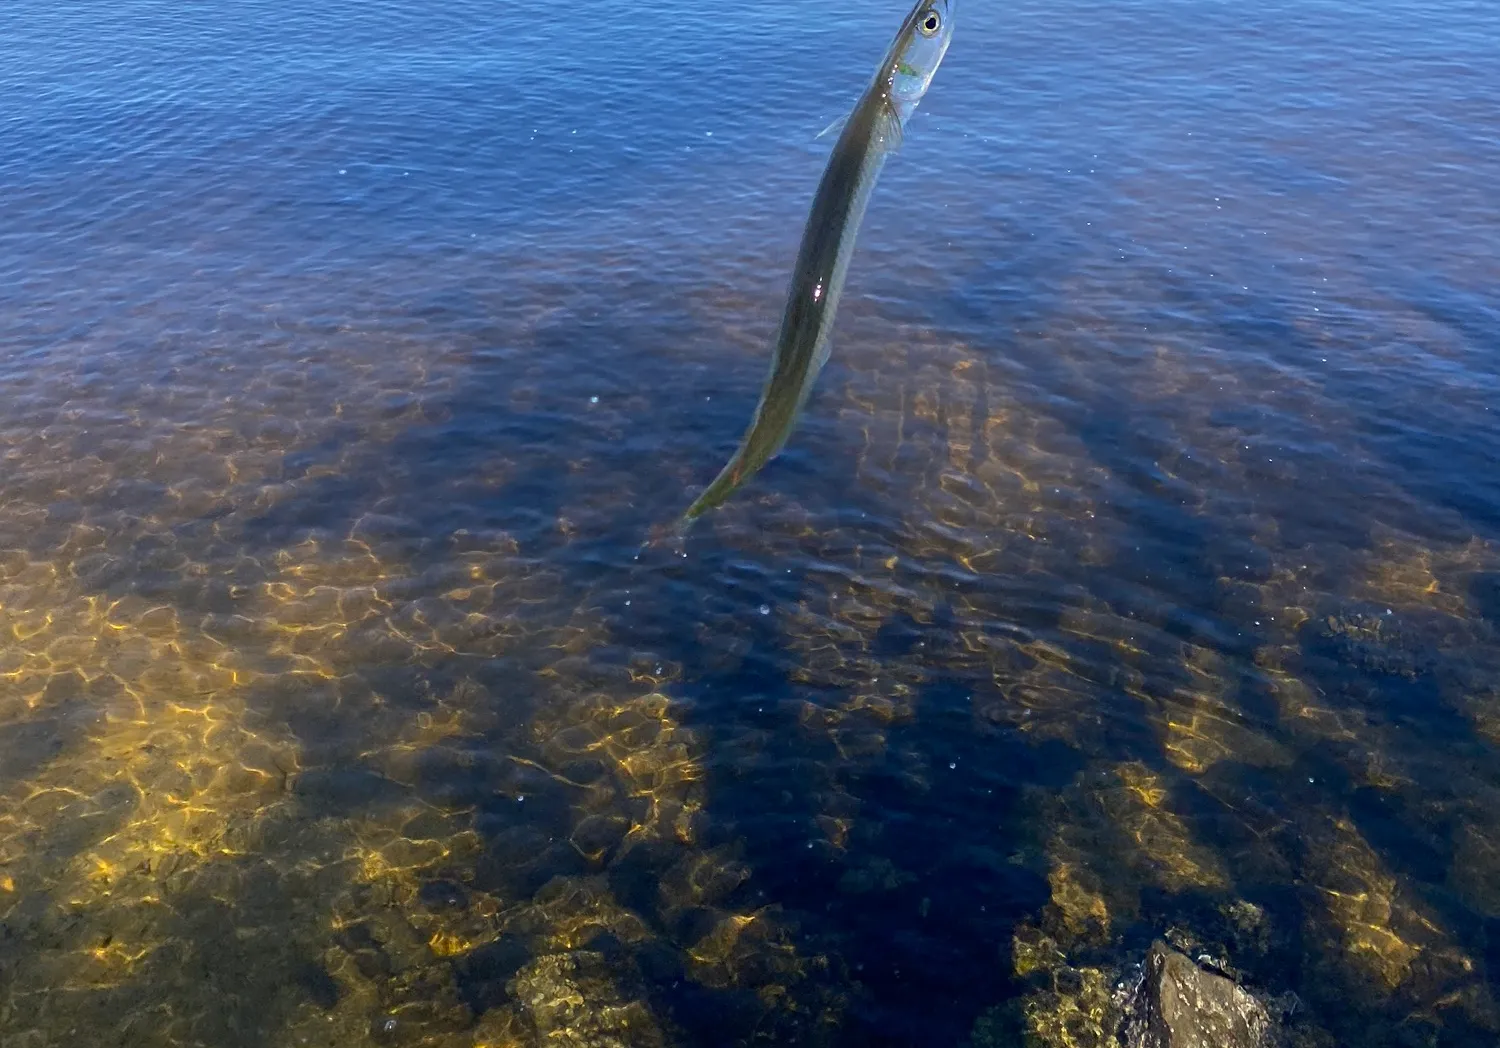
(1135, 569)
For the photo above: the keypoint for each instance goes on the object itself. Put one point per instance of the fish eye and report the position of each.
(930, 23)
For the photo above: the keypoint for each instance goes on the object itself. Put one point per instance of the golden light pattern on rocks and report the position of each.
(1125, 812)
(1380, 931)
(1201, 726)
(308, 779)
(654, 760)
(970, 463)
(154, 784)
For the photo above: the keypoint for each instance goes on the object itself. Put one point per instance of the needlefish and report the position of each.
(870, 133)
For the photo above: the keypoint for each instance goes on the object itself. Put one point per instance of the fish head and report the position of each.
(917, 52)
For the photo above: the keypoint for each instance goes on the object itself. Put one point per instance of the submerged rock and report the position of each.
(1181, 1005)
(578, 999)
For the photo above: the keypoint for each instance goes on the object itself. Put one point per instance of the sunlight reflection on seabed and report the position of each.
(987, 502)
(370, 785)
(179, 864)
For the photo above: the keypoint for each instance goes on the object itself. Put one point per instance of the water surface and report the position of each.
(1135, 570)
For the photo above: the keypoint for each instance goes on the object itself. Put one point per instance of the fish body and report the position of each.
(871, 132)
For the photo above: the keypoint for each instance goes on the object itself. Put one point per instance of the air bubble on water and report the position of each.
(593, 400)
(627, 603)
(765, 609)
(953, 765)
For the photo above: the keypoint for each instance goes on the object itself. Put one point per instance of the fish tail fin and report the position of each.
(753, 453)
(663, 536)
(769, 430)
(730, 477)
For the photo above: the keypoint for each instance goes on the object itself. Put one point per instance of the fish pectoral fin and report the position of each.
(889, 129)
(836, 126)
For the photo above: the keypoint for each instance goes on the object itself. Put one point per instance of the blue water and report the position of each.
(1134, 571)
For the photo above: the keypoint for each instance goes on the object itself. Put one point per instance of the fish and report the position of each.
(869, 134)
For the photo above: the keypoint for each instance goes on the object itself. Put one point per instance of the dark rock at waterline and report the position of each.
(1181, 1005)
